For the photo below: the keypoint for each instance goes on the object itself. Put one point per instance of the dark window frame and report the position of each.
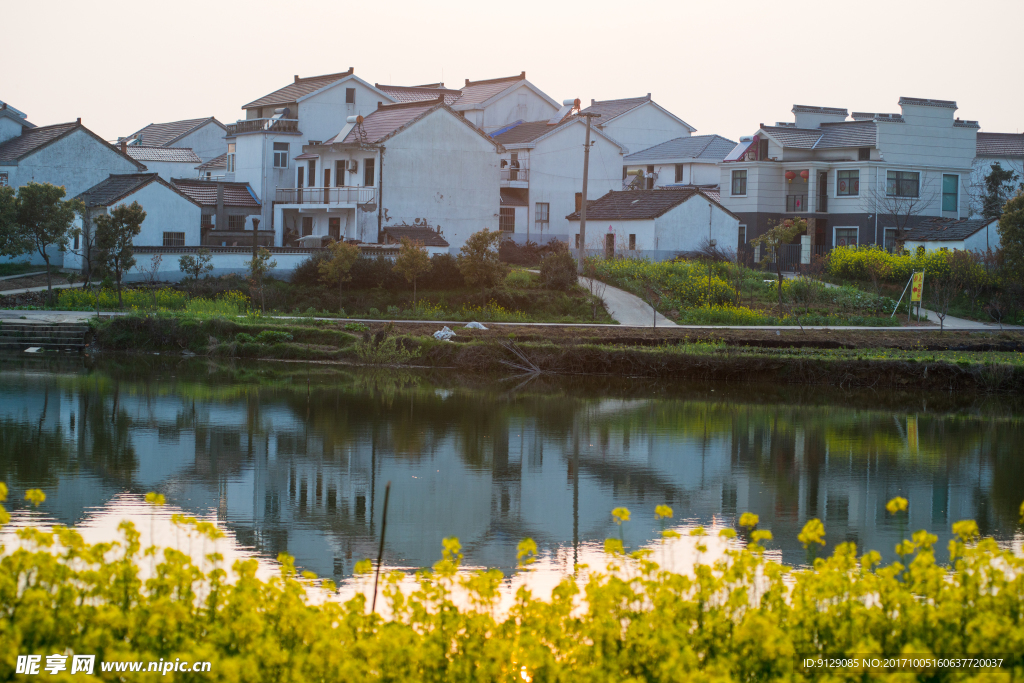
(236, 222)
(632, 241)
(853, 183)
(864, 154)
(340, 167)
(334, 227)
(350, 95)
(281, 155)
(954, 195)
(679, 173)
(542, 216)
(307, 224)
(903, 184)
(174, 239)
(369, 171)
(739, 180)
(507, 219)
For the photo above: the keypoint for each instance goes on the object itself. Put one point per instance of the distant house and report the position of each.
(427, 237)
(205, 137)
(414, 163)
(687, 160)
(169, 162)
(172, 217)
(228, 210)
(656, 224)
(638, 123)
(542, 166)
(497, 102)
(214, 169)
(975, 234)
(12, 122)
(1006, 149)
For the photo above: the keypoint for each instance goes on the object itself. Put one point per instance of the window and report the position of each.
(280, 155)
(206, 221)
(315, 142)
(579, 201)
(890, 239)
(632, 242)
(334, 228)
(307, 225)
(902, 183)
(77, 235)
(327, 177)
(650, 178)
(350, 95)
(739, 183)
(762, 150)
(236, 222)
(949, 192)
(368, 170)
(230, 168)
(577, 240)
(3, 180)
(864, 154)
(339, 173)
(679, 173)
(846, 237)
(312, 173)
(507, 219)
(543, 213)
(847, 183)
(301, 176)
(174, 239)
(742, 238)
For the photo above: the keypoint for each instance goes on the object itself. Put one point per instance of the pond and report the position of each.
(295, 458)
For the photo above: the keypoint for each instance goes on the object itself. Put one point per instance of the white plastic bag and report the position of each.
(444, 334)
(475, 326)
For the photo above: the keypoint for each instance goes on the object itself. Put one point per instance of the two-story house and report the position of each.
(261, 148)
(497, 102)
(683, 161)
(204, 136)
(410, 164)
(542, 175)
(637, 123)
(856, 179)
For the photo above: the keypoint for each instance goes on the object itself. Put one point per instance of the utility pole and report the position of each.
(583, 202)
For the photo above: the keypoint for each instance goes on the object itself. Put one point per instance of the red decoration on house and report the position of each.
(790, 175)
(805, 174)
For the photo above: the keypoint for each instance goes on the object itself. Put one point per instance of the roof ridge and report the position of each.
(520, 77)
(415, 87)
(381, 106)
(338, 76)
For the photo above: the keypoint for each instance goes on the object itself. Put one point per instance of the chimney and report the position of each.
(760, 125)
(648, 95)
(79, 120)
(467, 81)
(296, 78)
(124, 147)
(3, 106)
(592, 102)
(523, 75)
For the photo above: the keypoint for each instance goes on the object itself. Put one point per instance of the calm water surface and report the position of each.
(295, 459)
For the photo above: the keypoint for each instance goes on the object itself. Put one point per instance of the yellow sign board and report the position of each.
(918, 287)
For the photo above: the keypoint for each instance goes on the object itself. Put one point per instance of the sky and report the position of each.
(723, 67)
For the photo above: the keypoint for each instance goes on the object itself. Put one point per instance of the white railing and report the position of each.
(260, 125)
(327, 195)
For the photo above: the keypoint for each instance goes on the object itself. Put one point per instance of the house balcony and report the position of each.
(796, 203)
(345, 196)
(515, 177)
(263, 126)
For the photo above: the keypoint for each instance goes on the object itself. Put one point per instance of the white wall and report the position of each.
(9, 129)
(322, 116)
(223, 264)
(520, 103)
(643, 127)
(77, 161)
(207, 141)
(928, 138)
(172, 169)
(694, 173)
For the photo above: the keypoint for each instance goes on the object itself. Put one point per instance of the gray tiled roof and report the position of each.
(711, 147)
(475, 92)
(163, 134)
(847, 134)
(925, 102)
(204, 192)
(115, 187)
(401, 93)
(386, 120)
(424, 235)
(1000, 144)
(946, 229)
(802, 138)
(641, 204)
(178, 154)
(609, 109)
(300, 88)
(33, 139)
(523, 133)
(215, 163)
(809, 109)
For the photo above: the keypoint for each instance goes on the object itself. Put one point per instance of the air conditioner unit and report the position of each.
(353, 166)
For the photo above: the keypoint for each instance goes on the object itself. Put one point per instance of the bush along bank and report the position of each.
(551, 351)
(743, 617)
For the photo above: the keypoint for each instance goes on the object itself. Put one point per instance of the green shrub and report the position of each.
(518, 279)
(244, 338)
(273, 337)
(356, 327)
(558, 270)
(444, 274)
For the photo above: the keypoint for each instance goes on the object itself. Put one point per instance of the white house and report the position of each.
(854, 178)
(497, 102)
(214, 169)
(637, 123)
(542, 168)
(687, 160)
(656, 224)
(12, 122)
(1006, 149)
(408, 164)
(205, 136)
(261, 148)
(975, 234)
(172, 218)
(169, 162)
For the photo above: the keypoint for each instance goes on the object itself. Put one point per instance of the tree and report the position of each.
(87, 247)
(114, 235)
(335, 268)
(259, 265)
(1000, 185)
(899, 202)
(412, 262)
(37, 219)
(775, 237)
(195, 266)
(1011, 236)
(478, 259)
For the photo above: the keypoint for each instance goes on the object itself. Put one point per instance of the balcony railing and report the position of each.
(263, 125)
(327, 195)
(796, 202)
(515, 174)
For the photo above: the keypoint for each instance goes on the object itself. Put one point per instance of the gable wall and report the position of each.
(644, 127)
(322, 116)
(207, 142)
(519, 104)
(77, 161)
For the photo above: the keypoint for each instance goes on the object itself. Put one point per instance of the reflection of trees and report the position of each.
(33, 455)
(105, 434)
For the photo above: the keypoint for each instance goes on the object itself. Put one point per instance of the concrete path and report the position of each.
(625, 308)
(15, 277)
(8, 292)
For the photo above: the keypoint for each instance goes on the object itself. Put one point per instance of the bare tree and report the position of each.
(898, 202)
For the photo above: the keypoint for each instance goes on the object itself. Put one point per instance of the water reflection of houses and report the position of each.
(306, 475)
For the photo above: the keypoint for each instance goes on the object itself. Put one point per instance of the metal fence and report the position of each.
(795, 258)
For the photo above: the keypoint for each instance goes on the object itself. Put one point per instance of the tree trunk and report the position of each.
(49, 283)
(414, 292)
(120, 301)
(341, 286)
(778, 262)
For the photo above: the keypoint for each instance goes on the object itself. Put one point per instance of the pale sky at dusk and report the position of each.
(723, 67)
